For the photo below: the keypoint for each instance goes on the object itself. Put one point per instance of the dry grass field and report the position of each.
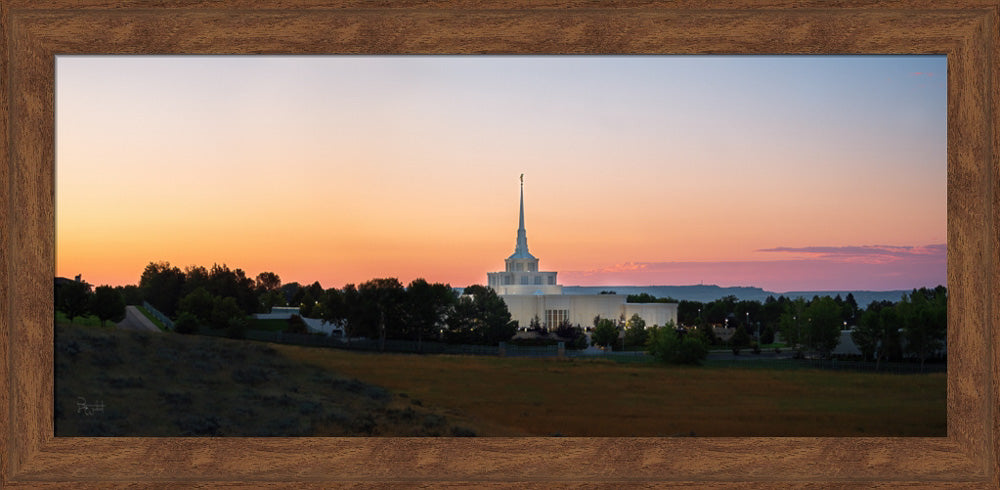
(543, 397)
(154, 384)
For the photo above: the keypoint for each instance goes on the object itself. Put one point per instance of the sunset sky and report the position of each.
(782, 172)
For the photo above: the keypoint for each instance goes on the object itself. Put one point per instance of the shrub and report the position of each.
(667, 346)
(573, 335)
(236, 328)
(186, 323)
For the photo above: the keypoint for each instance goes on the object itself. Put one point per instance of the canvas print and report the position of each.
(630, 246)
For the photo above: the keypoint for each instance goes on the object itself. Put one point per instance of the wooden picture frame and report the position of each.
(35, 31)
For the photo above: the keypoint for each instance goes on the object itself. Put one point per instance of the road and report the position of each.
(135, 320)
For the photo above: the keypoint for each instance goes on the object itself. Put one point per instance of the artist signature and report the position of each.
(88, 408)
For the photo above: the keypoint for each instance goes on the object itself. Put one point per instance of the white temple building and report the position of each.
(531, 293)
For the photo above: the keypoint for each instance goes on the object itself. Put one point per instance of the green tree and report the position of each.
(315, 290)
(667, 345)
(890, 346)
(635, 331)
(642, 298)
(72, 298)
(224, 310)
(293, 293)
(851, 309)
(307, 304)
(792, 324)
(689, 312)
(867, 333)
(772, 310)
(767, 334)
(107, 304)
(481, 317)
(706, 334)
(573, 335)
(535, 324)
(381, 302)
(924, 315)
(267, 288)
(268, 281)
(606, 333)
(162, 285)
(427, 305)
(739, 340)
(130, 294)
(195, 276)
(199, 304)
(823, 325)
(342, 307)
(270, 299)
(233, 283)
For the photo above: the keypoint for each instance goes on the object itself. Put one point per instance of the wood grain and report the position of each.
(34, 32)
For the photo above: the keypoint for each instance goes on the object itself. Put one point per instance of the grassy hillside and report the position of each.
(540, 397)
(171, 385)
(174, 385)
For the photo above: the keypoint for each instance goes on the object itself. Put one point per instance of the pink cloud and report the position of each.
(823, 268)
(867, 254)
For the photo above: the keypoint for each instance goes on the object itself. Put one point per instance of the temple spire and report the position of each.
(522, 237)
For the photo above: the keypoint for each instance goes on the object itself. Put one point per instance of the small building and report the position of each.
(317, 325)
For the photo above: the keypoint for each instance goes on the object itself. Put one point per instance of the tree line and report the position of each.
(914, 326)
(222, 298)
(77, 298)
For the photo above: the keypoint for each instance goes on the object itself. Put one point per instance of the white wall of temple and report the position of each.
(581, 309)
(653, 313)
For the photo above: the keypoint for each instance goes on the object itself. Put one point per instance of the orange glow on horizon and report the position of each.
(332, 169)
